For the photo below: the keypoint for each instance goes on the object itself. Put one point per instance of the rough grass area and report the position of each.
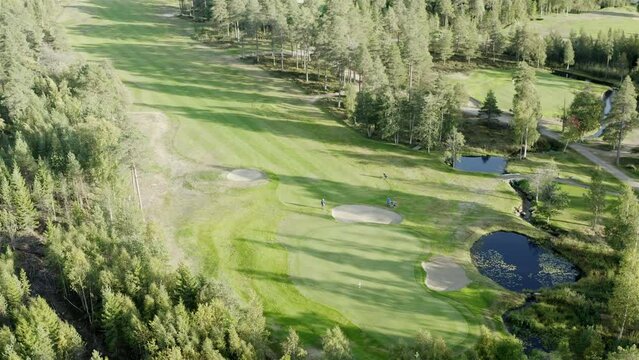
(488, 137)
(553, 90)
(630, 165)
(591, 22)
(275, 240)
(575, 168)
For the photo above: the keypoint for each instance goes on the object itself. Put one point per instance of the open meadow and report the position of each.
(591, 22)
(554, 91)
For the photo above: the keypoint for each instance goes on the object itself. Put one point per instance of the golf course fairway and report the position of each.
(201, 113)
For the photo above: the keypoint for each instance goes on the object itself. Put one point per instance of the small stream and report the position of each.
(513, 260)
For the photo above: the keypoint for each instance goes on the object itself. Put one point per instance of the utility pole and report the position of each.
(136, 187)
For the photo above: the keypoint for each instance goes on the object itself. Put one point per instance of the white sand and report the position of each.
(245, 175)
(443, 274)
(365, 214)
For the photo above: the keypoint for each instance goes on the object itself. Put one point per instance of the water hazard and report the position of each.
(513, 261)
(485, 164)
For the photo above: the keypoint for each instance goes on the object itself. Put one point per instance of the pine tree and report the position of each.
(489, 106)
(43, 188)
(121, 324)
(444, 45)
(466, 38)
(186, 287)
(25, 212)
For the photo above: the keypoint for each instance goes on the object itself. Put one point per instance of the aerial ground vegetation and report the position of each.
(269, 179)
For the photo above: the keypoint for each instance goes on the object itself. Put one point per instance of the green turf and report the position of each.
(553, 90)
(591, 22)
(274, 239)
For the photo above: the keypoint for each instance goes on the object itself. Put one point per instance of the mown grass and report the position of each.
(274, 239)
(554, 91)
(626, 19)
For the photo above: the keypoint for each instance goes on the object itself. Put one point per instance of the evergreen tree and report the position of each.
(552, 200)
(623, 116)
(489, 106)
(495, 39)
(444, 45)
(466, 38)
(429, 126)
(25, 212)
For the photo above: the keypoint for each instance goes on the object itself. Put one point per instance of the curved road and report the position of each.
(471, 109)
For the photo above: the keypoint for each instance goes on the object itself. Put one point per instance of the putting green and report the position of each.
(366, 269)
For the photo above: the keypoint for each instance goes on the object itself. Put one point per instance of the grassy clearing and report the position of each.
(553, 90)
(592, 22)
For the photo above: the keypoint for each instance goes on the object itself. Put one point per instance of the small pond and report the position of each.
(486, 164)
(513, 261)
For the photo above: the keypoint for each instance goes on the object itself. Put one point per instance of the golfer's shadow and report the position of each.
(300, 205)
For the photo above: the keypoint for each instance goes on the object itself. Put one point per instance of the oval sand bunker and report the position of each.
(245, 175)
(443, 274)
(365, 214)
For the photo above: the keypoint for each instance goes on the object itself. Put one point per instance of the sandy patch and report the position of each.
(168, 15)
(245, 175)
(443, 274)
(365, 214)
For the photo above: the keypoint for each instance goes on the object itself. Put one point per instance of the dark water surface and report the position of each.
(516, 263)
(486, 164)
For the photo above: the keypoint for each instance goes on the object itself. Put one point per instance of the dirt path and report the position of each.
(507, 118)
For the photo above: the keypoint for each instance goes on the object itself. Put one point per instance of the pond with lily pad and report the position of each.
(515, 262)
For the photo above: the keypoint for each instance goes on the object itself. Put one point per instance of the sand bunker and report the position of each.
(245, 175)
(443, 274)
(365, 214)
